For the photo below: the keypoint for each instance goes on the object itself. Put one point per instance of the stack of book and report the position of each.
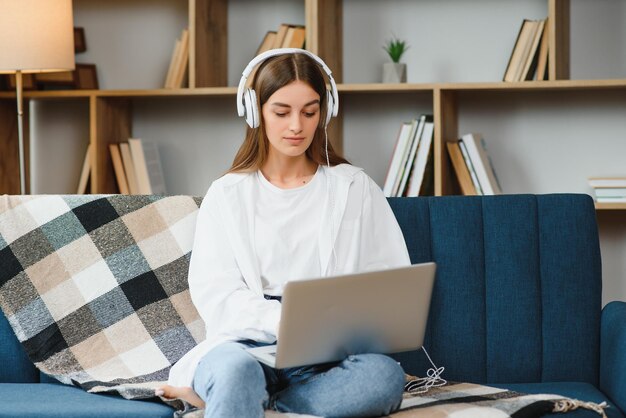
(529, 58)
(609, 189)
(473, 166)
(175, 78)
(137, 167)
(287, 36)
(410, 171)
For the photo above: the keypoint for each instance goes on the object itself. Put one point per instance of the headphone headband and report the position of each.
(284, 51)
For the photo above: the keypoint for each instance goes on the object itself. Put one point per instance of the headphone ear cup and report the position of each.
(251, 109)
(330, 106)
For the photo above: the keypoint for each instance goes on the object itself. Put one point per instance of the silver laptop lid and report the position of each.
(326, 319)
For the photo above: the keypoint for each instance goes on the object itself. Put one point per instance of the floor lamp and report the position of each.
(35, 36)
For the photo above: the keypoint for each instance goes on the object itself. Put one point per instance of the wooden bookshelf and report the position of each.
(112, 109)
(111, 114)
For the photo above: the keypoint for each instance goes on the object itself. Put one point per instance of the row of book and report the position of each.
(137, 167)
(529, 58)
(472, 165)
(287, 36)
(175, 78)
(609, 189)
(136, 164)
(410, 171)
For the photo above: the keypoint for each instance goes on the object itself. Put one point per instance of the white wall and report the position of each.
(540, 143)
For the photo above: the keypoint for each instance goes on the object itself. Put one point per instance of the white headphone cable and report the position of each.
(423, 384)
(331, 204)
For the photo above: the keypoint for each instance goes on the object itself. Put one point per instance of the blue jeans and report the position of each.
(235, 384)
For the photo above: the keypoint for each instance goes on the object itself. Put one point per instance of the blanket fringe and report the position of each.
(565, 405)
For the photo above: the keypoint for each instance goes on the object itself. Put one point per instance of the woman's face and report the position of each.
(291, 116)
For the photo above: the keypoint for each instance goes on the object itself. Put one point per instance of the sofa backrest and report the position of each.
(15, 365)
(517, 296)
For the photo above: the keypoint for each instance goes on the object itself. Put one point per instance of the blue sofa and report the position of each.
(516, 304)
(517, 301)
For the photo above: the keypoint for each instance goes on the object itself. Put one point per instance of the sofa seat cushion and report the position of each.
(62, 401)
(574, 390)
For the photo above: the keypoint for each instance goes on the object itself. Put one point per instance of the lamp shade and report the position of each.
(36, 36)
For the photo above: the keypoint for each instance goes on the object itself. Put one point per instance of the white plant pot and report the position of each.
(394, 72)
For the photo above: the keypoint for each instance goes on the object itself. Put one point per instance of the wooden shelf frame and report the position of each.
(110, 122)
(208, 43)
(559, 39)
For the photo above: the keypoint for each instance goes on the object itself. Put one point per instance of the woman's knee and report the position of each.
(231, 382)
(384, 378)
(228, 365)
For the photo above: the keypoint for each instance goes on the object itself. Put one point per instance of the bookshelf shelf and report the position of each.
(610, 206)
(555, 85)
(195, 92)
(186, 92)
(558, 85)
(387, 88)
(57, 94)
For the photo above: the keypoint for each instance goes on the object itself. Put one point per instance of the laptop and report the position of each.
(326, 319)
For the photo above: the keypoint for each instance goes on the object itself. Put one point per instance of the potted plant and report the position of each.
(395, 71)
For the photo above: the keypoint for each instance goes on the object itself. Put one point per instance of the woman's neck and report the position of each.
(289, 172)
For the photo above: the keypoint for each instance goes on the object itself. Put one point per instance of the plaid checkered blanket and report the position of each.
(95, 288)
(472, 400)
(463, 400)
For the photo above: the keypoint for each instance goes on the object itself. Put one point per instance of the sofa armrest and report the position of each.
(613, 353)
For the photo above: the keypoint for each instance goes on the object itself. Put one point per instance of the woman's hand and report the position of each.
(180, 392)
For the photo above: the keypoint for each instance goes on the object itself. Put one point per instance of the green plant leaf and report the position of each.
(395, 49)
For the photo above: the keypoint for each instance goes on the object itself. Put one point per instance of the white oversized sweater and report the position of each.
(224, 275)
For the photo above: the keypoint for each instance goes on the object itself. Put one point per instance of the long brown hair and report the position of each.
(273, 74)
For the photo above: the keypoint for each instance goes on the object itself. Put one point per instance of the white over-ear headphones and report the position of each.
(247, 105)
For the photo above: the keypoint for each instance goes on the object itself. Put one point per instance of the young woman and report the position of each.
(289, 208)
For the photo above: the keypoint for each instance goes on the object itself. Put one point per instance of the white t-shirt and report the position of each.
(286, 230)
